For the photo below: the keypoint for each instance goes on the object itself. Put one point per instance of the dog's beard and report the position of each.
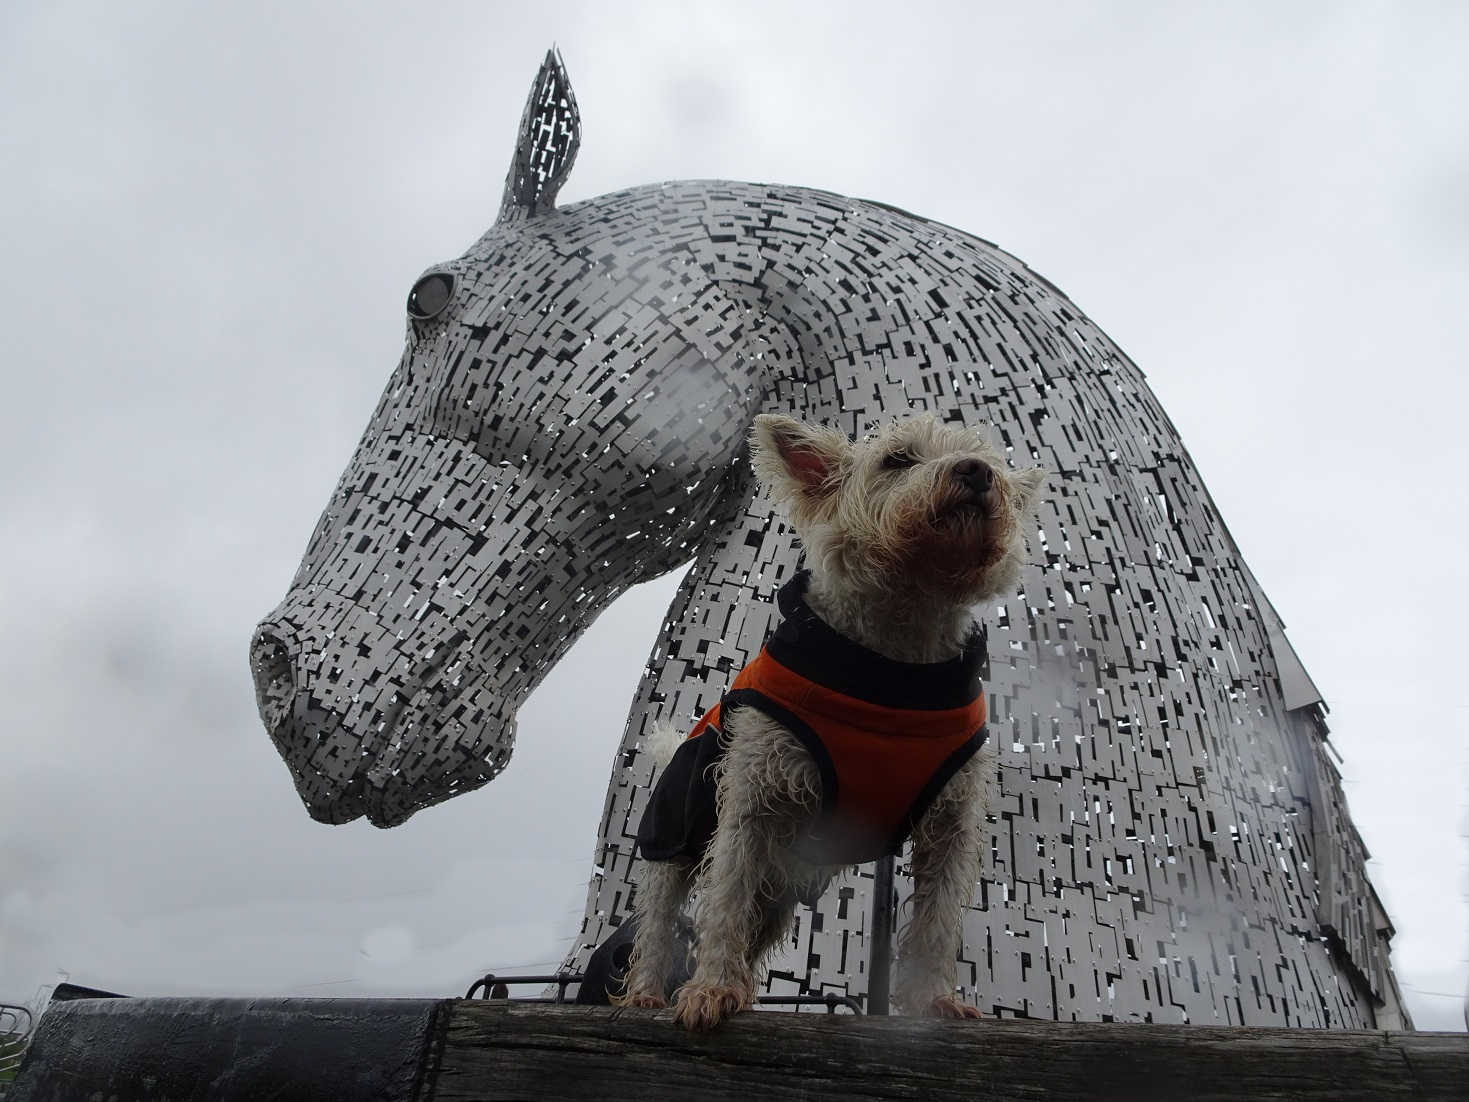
(960, 543)
(944, 542)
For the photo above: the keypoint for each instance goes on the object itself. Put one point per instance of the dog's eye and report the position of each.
(896, 461)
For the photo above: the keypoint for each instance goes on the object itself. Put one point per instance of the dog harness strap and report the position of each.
(942, 776)
(886, 736)
(805, 734)
(813, 649)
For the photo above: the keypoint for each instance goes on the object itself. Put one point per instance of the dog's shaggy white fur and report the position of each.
(904, 532)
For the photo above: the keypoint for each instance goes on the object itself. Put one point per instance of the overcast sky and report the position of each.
(210, 217)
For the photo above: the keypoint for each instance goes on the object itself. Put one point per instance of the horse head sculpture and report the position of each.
(569, 418)
(567, 415)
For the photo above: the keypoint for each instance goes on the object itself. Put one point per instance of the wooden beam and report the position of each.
(450, 1050)
(503, 1050)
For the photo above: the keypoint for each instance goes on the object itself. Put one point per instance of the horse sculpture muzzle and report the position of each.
(434, 596)
(381, 681)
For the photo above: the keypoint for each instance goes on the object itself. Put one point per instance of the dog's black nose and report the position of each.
(977, 477)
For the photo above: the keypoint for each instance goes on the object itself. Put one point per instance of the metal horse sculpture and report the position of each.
(1168, 841)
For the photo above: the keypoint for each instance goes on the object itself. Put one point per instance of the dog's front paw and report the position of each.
(947, 1006)
(701, 1007)
(645, 1001)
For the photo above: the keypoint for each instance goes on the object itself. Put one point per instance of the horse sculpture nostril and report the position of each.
(270, 662)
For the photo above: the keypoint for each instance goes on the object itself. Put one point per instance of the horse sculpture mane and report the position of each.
(1168, 841)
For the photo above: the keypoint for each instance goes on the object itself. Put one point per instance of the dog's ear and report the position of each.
(796, 460)
(1027, 486)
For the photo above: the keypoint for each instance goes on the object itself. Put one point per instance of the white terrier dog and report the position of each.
(857, 725)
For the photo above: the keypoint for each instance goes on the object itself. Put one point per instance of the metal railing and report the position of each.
(16, 1026)
(884, 907)
(498, 987)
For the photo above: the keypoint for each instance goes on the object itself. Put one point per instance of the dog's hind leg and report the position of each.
(774, 926)
(803, 882)
(661, 894)
(946, 844)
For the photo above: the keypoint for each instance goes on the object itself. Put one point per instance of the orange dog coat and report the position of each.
(886, 736)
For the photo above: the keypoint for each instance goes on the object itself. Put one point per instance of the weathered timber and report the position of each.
(448, 1050)
(222, 1050)
(493, 1051)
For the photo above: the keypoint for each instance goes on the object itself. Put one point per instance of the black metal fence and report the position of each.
(491, 986)
(16, 1026)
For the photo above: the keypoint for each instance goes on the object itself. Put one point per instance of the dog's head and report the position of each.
(921, 505)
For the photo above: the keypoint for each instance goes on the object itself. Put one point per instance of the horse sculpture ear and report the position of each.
(545, 148)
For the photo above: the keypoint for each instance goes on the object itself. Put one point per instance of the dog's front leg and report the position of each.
(766, 788)
(728, 915)
(946, 845)
(661, 894)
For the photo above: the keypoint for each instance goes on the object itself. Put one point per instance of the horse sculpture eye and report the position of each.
(430, 295)
(897, 461)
